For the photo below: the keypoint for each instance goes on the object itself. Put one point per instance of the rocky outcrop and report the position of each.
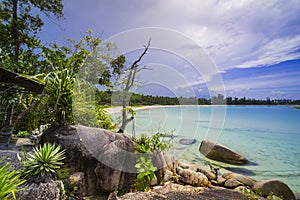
(276, 187)
(176, 191)
(220, 181)
(209, 174)
(199, 177)
(221, 153)
(193, 178)
(175, 187)
(35, 191)
(104, 158)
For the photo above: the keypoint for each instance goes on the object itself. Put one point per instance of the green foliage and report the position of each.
(63, 173)
(250, 194)
(9, 181)
(104, 97)
(104, 120)
(19, 26)
(147, 144)
(23, 134)
(56, 66)
(33, 116)
(272, 196)
(71, 83)
(44, 162)
(130, 111)
(145, 173)
(145, 147)
(21, 49)
(85, 112)
(60, 87)
(247, 194)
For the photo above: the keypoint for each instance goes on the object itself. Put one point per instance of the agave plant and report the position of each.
(44, 162)
(9, 182)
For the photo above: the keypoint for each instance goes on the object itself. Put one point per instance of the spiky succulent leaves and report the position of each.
(45, 160)
(9, 182)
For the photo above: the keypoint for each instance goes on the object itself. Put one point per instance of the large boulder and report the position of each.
(105, 158)
(276, 187)
(221, 153)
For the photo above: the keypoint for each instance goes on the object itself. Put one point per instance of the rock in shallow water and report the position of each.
(221, 153)
(185, 141)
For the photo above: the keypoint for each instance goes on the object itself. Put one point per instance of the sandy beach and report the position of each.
(117, 109)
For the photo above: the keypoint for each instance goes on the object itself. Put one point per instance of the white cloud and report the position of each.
(249, 33)
(282, 80)
(235, 33)
(274, 52)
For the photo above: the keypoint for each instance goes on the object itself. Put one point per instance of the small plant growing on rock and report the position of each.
(247, 194)
(272, 196)
(9, 181)
(23, 134)
(146, 173)
(44, 162)
(145, 146)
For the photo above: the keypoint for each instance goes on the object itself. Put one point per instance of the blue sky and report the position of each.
(254, 45)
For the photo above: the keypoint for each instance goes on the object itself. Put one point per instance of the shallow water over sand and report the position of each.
(266, 135)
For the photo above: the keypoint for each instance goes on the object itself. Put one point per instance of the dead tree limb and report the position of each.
(133, 70)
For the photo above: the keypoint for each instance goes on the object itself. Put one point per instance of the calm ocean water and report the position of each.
(266, 135)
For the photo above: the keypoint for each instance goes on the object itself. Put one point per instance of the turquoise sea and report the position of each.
(268, 136)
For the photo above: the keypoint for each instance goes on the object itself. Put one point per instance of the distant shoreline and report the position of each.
(117, 109)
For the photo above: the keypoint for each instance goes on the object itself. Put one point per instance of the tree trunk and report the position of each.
(125, 120)
(15, 32)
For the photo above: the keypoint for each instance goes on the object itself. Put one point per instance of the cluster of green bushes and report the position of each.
(105, 97)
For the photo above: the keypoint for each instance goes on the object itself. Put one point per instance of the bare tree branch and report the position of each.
(133, 70)
(135, 63)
